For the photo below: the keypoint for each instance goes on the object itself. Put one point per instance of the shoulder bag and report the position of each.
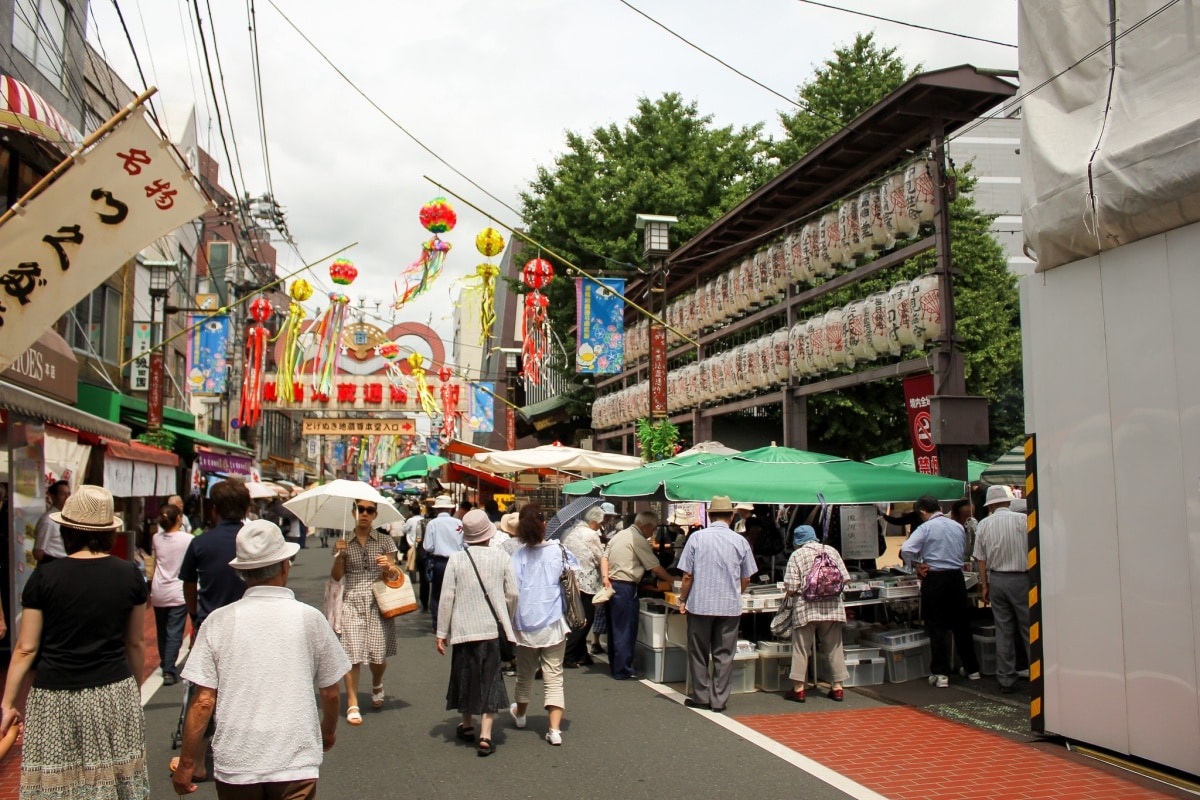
(781, 623)
(394, 596)
(572, 602)
(507, 651)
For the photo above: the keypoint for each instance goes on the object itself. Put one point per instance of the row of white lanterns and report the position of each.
(873, 220)
(882, 324)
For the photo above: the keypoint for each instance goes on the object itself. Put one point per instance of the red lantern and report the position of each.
(537, 273)
(260, 309)
(445, 374)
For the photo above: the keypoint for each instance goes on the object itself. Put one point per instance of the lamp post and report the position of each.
(161, 275)
(657, 246)
(511, 366)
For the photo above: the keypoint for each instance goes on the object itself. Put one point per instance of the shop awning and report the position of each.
(136, 451)
(461, 473)
(33, 405)
(197, 437)
(544, 414)
(138, 470)
(458, 447)
(23, 109)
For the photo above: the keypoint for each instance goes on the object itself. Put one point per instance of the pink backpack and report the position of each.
(824, 580)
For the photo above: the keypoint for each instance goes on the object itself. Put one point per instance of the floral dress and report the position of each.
(366, 636)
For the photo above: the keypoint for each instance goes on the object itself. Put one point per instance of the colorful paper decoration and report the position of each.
(424, 395)
(437, 216)
(390, 352)
(489, 242)
(419, 275)
(329, 344)
(343, 272)
(301, 290)
(293, 352)
(537, 273)
(255, 363)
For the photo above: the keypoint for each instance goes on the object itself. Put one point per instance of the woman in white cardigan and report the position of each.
(472, 622)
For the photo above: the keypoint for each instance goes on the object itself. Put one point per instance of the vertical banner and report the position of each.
(510, 428)
(482, 416)
(917, 391)
(207, 362)
(658, 370)
(139, 378)
(600, 326)
(154, 398)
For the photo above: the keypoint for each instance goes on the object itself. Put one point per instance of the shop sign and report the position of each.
(48, 367)
(331, 426)
(658, 370)
(374, 393)
(139, 378)
(918, 390)
(860, 531)
(510, 428)
(225, 462)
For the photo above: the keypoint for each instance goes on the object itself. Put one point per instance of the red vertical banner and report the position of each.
(510, 428)
(658, 370)
(917, 391)
(154, 400)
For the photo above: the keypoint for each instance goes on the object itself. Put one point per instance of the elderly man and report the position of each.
(936, 548)
(47, 541)
(268, 741)
(443, 538)
(1002, 549)
(627, 558)
(583, 540)
(717, 566)
(177, 501)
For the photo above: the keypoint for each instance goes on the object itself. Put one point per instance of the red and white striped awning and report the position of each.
(23, 109)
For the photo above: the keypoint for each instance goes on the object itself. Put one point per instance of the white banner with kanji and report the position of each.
(120, 196)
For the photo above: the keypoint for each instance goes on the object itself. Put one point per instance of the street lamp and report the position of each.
(162, 274)
(656, 247)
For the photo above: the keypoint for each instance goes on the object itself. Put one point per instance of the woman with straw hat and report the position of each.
(83, 622)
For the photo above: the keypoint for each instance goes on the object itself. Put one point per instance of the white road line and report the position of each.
(816, 769)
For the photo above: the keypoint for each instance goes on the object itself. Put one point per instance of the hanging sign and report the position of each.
(139, 380)
(658, 370)
(917, 391)
(330, 426)
(600, 326)
(860, 531)
(482, 417)
(207, 355)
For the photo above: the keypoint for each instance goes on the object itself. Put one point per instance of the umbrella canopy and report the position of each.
(331, 505)
(555, 456)
(263, 490)
(568, 515)
(904, 460)
(712, 448)
(1008, 470)
(783, 475)
(644, 481)
(416, 466)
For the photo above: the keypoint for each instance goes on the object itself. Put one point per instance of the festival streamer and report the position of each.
(536, 274)
(329, 332)
(490, 243)
(255, 364)
(293, 351)
(390, 352)
(437, 217)
(424, 395)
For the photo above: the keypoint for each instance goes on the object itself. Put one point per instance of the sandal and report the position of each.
(174, 765)
(466, 733)
(353, 716)
(377, 697)
(485, 747)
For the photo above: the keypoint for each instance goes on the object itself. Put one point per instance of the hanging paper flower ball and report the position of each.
(437, 216)
(445, 374)
(536, 299)
(389, 350)
(335, 297)
(301, 290)
(343, 272)
(415, 360)
(260, 309)
(489, 242)
(487, 271)
(537, 273)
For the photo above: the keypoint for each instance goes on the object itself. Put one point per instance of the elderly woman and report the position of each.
(583, 540)
(366, 556)
(83, 622)
(479, 595)
(814, 619)
(539, 623)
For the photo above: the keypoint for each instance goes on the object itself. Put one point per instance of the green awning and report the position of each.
(546, 412)
(205, 439)
(127, 410)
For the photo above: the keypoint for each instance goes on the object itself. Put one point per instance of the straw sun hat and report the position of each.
(90, 508)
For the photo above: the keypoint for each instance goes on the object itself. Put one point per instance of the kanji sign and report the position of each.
(344, 426)
(353, 393)
(917, 391)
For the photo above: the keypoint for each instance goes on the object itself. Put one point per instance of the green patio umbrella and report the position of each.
(1008, 470)
(904, 460)
(644, 481)
(416, 466)
(783, 475)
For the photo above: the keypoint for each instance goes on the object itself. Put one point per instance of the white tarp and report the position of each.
(1101, 166)
(66, 458)
(555, 456)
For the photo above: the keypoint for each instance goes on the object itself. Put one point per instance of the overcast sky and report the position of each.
(492, 87)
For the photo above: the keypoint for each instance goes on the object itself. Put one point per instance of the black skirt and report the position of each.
(476, 683)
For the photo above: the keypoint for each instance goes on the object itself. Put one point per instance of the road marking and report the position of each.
(814, 768)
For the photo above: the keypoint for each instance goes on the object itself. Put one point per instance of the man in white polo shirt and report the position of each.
(255, 663)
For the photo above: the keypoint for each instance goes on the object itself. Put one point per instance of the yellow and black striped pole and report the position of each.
(1037, 682)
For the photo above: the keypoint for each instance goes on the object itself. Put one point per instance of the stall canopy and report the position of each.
(23, 109)
(22, 401)
(904, 460)
(468, 476)
(138, 470)
(1008, 470)
(647, 481)
(555, 456)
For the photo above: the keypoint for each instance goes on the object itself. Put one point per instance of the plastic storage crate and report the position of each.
(985, 653)
(863, 671)
(907, 662)
(652, 625)
(774, 672)
(896, 637)
(743, 673)
(774, 648)
(661, 665)
(857, 651)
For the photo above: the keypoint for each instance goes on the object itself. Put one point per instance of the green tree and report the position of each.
(851, 81)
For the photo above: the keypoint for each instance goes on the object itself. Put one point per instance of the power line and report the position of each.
(258, 93)
(907, 24)
(137, 61)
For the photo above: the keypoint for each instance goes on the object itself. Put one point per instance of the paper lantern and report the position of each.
(764, 354)
(537, 273)
(852, 242)
(343, 272)
(924, 295)
(919, 192)
(260, 309)
(799, 362)
(734, 305)
(729, 370)
(780, 269)
(740, 278)
(816, 343)
(691, 384)
(437, 216)
(690, 312)
(835, 340)
(749, 375)
(829, 245)
(301, 290)
(858, 336)
(782, 361)
(877, 329)
(489, 242)
(870, 221)
(390, 351)
(764, 277)
(797, 265)
(895, 208)
(716, 302)
(900, 315)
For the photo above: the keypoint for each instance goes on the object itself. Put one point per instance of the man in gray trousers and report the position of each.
(1001, 548)
(717, 566)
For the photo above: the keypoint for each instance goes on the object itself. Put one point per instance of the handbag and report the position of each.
(394, 596)
(781, 623)
(507, 650)
(333, 604)
(572, 602)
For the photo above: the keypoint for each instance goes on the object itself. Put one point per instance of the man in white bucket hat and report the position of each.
(1002, 550)
(264, 735)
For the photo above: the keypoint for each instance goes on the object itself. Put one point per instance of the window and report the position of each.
(39, 28)
(96, 327)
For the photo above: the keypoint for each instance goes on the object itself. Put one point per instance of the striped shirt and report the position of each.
(443, 536)
(1001, 541)
(718, 560)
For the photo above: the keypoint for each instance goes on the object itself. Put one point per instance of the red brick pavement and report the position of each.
(904, 753)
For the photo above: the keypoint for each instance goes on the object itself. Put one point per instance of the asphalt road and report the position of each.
(620, 738)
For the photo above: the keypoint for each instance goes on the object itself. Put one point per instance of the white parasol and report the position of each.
(555, 456)
(262, 490)
(331, 505)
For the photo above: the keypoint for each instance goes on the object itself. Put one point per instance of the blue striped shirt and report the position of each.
(443, 536)
(938, 541)
(717, 559)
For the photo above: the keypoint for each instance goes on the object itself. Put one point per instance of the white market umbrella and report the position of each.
(260, 491)
(708, 448)
(331, 505)
(555, 456)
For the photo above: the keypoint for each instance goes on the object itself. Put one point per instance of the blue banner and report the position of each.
(482, 416)
(600, 326)
(207, 357)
